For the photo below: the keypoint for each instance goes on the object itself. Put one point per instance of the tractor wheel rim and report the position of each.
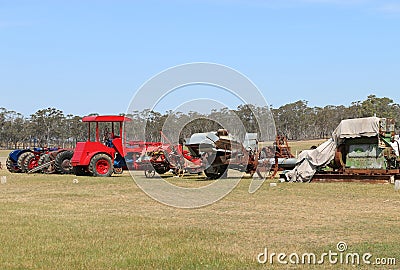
(102, 166)
(66, 164)
(32, 164)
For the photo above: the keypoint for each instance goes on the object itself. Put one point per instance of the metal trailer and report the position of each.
(219, 151)
(171, 157)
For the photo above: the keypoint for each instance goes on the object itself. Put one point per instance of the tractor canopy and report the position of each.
(106, 118)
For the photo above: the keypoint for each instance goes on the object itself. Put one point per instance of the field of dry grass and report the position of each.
(298, 146)
(48, 222)
(3, 156)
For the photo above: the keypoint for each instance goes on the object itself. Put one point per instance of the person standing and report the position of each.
(395, 145)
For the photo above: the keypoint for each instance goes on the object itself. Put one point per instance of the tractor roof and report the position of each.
(106, 118)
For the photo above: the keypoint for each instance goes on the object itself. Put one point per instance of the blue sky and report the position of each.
(91, 56)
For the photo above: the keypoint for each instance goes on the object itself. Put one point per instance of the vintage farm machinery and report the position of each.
(15, 160)
(360, 150)
(283, 159)
(218, 151)
(57, 161)
(104, 152)
(166, 157)
(47, 160)
(214, 152)
(97, 155)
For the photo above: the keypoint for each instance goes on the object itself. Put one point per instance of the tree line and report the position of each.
(297, 121)
(45, 128)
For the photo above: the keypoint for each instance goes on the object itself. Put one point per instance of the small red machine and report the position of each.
(98, 154)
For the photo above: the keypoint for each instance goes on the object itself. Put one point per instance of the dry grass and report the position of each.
(298, 146)
(4, 153)
(50, 223)
(3, 157)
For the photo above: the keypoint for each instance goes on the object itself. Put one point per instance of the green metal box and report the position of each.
(364, 153)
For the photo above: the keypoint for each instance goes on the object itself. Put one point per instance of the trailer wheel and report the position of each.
(63, 162)
(215, 172)
(21, 161)
(101, 165)
(10, 166)
(149, 173)
(161, 169)
(30, 162)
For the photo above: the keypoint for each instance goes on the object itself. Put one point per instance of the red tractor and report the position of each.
(104, 153)
(98, 155)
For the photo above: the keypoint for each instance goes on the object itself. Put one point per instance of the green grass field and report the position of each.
(48, 222)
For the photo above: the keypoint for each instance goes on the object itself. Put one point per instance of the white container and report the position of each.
(272, 184)
(4, 179)
(397, 185)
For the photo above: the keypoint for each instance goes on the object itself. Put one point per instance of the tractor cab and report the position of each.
(97, 155)
(105, 129)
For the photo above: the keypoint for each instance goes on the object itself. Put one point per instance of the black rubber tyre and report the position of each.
(101, 165)
(216, 172)
(62, 162)
(21, 161)
(162, 169)
(29, 161)
(10, 166)
(45, 159)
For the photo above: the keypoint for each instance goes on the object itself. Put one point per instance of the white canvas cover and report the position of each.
(359, 127)
(310, 160)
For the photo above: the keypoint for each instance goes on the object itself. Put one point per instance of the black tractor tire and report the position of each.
(62, 162)
(162, 169)
(27, 161)
(101, 165)
(216, 172)
(10, 166)
(45, 159)
(21, 161)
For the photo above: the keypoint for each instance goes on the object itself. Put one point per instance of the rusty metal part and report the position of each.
(40, 167)
(281, 153)
(356, 177)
